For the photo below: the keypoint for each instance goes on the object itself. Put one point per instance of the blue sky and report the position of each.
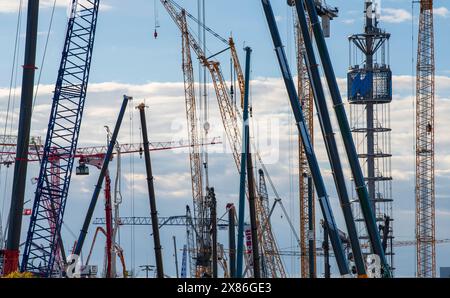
(127, 59)
(126, 30)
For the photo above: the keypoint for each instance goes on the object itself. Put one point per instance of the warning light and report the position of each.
(27, 212)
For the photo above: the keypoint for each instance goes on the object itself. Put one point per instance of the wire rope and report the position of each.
(44, 55)
(11, 100)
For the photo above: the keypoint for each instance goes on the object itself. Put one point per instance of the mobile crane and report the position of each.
(103, 172)
(229, 115)
(63, 131)
(344, 128)
(306, 140)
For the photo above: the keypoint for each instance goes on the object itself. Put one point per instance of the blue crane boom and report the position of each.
(62, 138)
(329, 139)
(101, 177)
(306, 140)
(352, 155)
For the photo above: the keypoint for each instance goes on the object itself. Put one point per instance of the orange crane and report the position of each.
(425, 177)
(199, 200)
(307, 102)
(238, 69)
(229, 115)
(117, 247)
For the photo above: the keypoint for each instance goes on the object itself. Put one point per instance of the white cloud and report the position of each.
(348, 21)
(11, 6)
(395, 15)
(441, 11)
(171, 169)
(8, 6)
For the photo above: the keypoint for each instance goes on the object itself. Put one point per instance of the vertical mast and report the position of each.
(370, 95)
(151, 192)
(21, 163)
(425, 179)
(306, 101)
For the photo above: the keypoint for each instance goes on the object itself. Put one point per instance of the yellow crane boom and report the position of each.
(306, 100)
(229, 118)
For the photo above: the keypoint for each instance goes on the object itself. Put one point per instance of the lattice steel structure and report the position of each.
(306, 96)
(230, 114)
(62, 137)
(425, 179)
(200, 204)
(263, 193)
(370, 93)
(181, 221)
(307, 102)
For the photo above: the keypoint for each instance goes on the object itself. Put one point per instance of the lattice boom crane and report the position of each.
(63, 131)
(229, 118)
(425, 176)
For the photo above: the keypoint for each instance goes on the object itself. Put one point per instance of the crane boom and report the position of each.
(230, 122)
(330, 222)
(189, 223)
(238, 68)
(195, 157)
(8, 156)
(63, 131)
(306, 101)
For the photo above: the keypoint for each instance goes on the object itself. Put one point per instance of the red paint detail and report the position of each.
(109, 227)
(11, 263)
(29, 67)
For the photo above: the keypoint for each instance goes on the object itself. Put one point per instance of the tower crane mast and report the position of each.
(425, 176)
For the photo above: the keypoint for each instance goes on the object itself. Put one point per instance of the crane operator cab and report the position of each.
(82, 170)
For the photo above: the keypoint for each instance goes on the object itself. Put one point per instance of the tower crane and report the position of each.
(306, 101)
(7, 157)
(229, 118)
(425, 176)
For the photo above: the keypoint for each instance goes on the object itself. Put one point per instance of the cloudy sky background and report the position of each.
(128, 60)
